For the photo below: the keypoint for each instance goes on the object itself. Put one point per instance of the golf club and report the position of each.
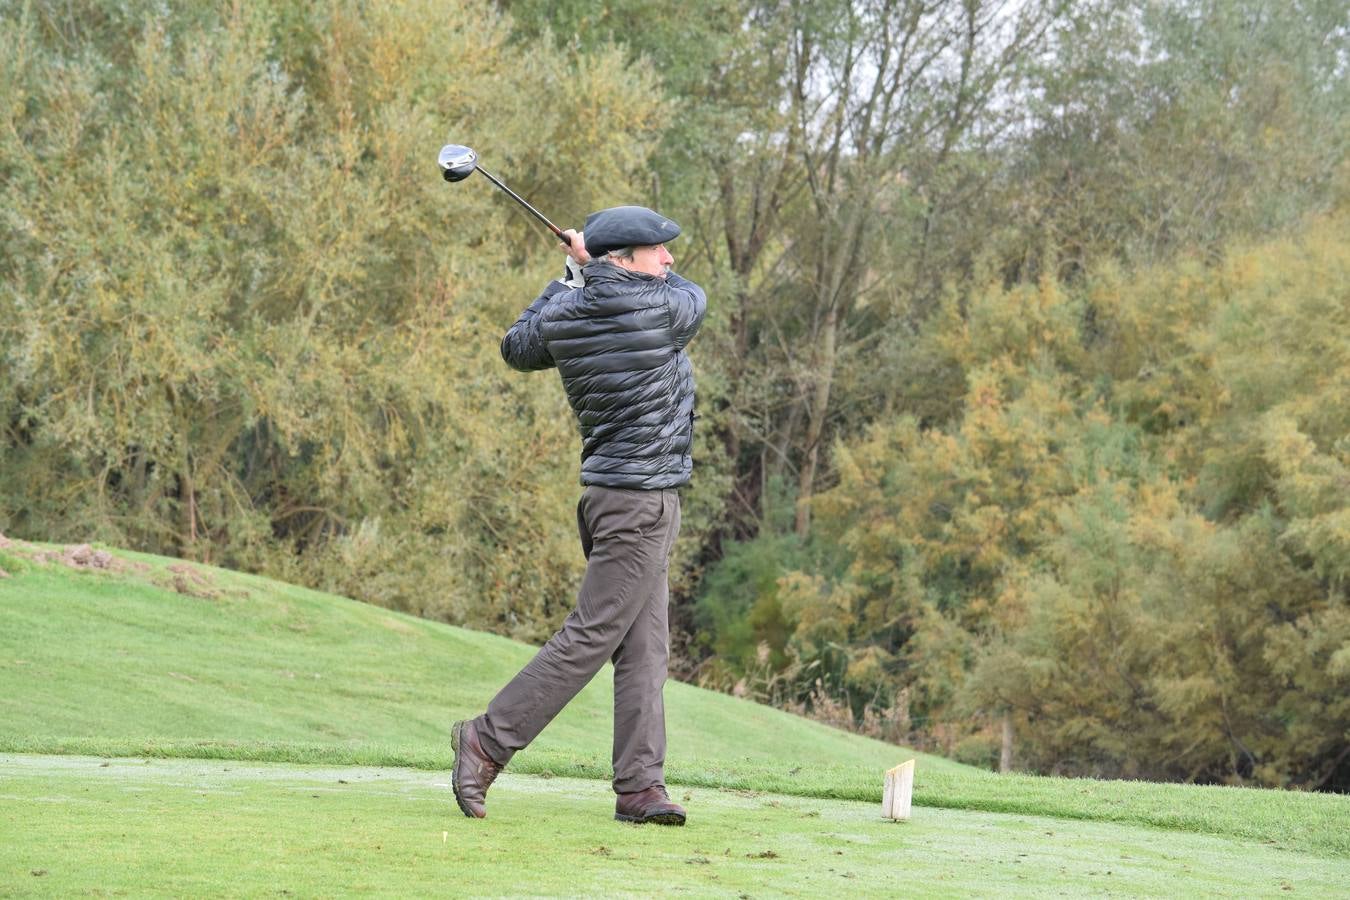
(459, 162)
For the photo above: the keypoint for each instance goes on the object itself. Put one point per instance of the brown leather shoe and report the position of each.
(474, 771)
(652, 805)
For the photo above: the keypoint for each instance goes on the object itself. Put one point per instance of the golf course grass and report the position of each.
(189, 828)
(180, 729)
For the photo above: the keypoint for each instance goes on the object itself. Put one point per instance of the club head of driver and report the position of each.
(457, 162)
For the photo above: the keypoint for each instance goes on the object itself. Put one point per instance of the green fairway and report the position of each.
(192, 828)
(203, 664)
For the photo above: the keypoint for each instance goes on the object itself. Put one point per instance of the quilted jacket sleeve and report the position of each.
(523, 346)
(688, 305)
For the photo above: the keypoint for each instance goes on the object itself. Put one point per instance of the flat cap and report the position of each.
(626, 226)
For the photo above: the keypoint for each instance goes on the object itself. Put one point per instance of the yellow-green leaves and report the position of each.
(243, 319)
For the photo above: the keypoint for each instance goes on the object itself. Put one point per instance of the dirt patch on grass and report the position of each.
(192, 582)
(182, 577)
(83, 556)
(76, 556)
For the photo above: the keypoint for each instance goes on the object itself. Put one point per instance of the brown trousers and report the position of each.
(620, 615)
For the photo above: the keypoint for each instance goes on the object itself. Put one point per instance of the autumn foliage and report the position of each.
(1024, 390)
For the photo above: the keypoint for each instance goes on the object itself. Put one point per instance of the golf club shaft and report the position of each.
(523, 202)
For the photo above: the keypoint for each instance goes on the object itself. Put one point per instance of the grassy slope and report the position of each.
(93, 662)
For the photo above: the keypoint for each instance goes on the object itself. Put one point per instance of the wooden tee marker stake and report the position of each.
(899, 790)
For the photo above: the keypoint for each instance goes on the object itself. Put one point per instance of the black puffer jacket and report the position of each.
(619, 344)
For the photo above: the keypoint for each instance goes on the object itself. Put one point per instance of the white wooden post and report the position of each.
(898, 791)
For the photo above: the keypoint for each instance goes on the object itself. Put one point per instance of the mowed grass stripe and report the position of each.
(120, 663)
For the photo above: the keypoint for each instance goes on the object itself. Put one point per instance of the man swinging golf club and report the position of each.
(616, 329)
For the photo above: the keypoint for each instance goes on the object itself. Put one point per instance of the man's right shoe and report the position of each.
(652, 805)
(473, 772)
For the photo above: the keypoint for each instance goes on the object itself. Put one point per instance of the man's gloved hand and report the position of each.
(573, 278)
(576, 258)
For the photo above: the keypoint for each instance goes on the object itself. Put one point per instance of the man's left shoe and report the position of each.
(473, 772)
(652, 805)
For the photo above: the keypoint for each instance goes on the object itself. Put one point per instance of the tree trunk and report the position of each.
(1005, 755)
(817, 407)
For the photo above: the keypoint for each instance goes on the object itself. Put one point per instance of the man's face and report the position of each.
(654, 259)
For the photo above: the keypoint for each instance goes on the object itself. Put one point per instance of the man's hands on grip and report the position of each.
(576, 247)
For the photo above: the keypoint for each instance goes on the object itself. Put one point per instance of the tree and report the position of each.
(1163, 127)
(240, 321)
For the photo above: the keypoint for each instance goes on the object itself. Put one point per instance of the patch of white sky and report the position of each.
(1015, 106)
(871, 52)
